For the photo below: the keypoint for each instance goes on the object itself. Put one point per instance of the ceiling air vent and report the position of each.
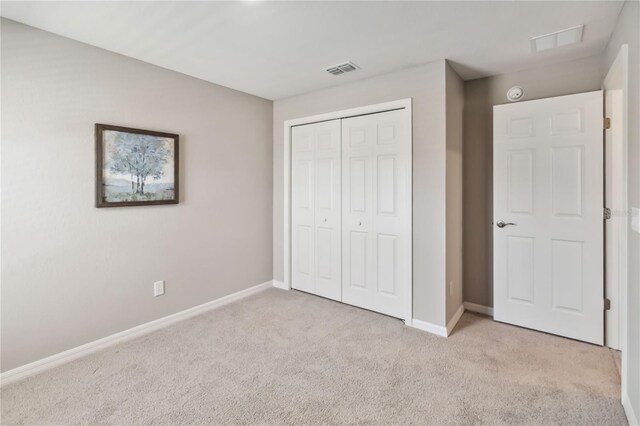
(558, 39)
(342, 68)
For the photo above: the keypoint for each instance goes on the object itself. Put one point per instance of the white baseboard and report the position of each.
(455, 319)
(628, 409)
(280, 285)
(438, 330)
(480, 309)
(52, 361)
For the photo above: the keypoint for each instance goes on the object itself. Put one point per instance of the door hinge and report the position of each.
(607, 123)
(607, 304)
(607, 213)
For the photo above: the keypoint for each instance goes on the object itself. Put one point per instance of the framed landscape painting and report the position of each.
(135, 167)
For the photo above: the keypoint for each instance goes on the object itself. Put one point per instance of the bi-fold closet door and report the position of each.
(316, 214)
(376, 212)
(351, 211)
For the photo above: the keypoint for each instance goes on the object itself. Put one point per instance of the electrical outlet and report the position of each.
(158, 288)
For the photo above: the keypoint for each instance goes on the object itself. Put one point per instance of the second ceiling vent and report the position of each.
(342, 68)
(557, 39)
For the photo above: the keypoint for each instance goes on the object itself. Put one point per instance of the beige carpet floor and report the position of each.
(290, 358)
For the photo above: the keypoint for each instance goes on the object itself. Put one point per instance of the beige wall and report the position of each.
(72, 273)
(480, 96)
(426, 85)
(627, 32)
(454, 135)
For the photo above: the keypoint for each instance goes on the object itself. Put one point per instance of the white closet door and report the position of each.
(548, 214)
(316, 211)
(376, 223)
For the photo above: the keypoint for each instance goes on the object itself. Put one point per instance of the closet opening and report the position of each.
(348, 220)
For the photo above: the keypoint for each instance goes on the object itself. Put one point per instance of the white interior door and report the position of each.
(315, 208)
(548, 215)
(376, 200)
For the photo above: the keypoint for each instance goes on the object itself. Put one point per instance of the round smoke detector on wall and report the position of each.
(515, 93)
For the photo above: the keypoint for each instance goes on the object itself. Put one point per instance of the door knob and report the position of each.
(502, 224)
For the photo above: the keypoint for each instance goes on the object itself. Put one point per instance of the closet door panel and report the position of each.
(328, 210)
(303, 209)
(377, 216)
(357, 217)
(316, 209)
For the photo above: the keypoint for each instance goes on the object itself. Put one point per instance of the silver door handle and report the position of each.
(502, 224)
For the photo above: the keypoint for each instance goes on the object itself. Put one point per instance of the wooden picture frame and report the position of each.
(136, 167)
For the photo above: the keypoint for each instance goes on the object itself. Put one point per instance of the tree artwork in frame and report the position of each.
(135, 167)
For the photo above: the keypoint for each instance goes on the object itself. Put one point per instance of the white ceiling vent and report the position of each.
(342, 68)
(558, 39)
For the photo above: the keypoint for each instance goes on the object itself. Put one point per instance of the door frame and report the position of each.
(402, 104)
(617, 79)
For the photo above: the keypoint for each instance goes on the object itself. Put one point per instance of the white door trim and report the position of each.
(617, 79)
(288, 124)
